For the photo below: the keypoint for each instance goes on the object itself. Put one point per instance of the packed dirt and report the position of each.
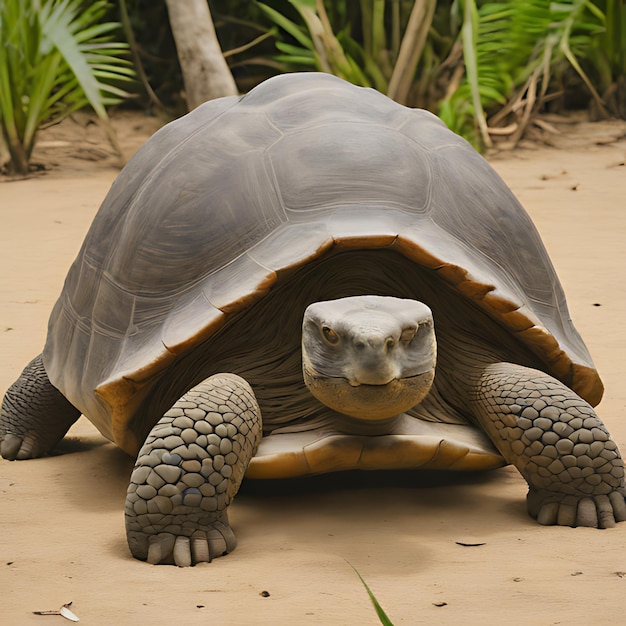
(433, 549)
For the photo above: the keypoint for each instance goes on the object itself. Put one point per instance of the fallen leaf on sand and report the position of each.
(63, 611)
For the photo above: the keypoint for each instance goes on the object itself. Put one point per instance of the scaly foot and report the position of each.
(560, 446)
(188, 472)
(34, 416)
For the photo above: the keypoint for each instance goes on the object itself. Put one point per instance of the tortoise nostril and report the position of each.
(408, 333)
(375, 344)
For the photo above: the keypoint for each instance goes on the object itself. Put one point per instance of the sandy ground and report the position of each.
(61, 518)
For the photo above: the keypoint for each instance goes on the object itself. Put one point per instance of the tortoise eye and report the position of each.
(330, 335)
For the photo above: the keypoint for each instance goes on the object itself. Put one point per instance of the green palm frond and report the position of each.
(57, 56)
(364, 54)
(466, 59)
(516, 44)
(607, 61)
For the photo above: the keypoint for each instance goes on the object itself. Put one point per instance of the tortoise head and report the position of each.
(369, 357)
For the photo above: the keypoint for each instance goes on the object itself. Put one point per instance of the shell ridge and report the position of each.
(178, 147)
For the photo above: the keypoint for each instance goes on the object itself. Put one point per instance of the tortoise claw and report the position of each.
(10, 447)
(182, 552)
(18, 448)
(202, 547)
(598, 511)
(159, 547)
(619, 506)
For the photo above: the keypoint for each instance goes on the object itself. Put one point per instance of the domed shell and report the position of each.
(220, 204)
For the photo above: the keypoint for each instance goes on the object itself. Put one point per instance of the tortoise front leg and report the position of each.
(188, 472)
(35, 415)
(557, 442)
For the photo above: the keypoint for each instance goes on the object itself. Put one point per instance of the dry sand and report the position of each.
(61, 518)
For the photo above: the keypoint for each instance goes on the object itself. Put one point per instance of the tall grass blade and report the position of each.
(382, 616)
(469, 29)
(287, 25)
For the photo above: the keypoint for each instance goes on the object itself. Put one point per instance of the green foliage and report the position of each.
(57, 56)
(518, 49)
(382, 50)
(382, 616)
(147, 30)
(607, 61)
(467, 60)
(246, 42)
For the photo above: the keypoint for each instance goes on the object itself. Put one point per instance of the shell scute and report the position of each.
(288, 104)
(363, 171)
(239, 284)
(192, 319)
(112, 309)
(291, 245)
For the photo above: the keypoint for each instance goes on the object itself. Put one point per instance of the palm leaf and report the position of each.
(287, 25)
(57, 56)
(514, 44)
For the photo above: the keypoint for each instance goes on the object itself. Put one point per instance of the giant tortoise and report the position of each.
(260, 293)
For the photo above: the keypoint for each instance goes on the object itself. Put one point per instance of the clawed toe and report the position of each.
(202, 547)
(159, 546)
(607, 518)
(548, 514)
(587, 514)
(10, 446)
(14, 447)
(619, 506)
(599, 511)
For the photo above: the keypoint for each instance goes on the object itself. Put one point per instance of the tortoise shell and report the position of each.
(243, 197)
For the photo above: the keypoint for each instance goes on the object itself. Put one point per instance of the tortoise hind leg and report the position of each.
(557, 442)
(188, 472)
(34, 416)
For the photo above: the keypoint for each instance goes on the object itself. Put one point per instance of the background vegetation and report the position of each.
(56, 56)
(488, 69)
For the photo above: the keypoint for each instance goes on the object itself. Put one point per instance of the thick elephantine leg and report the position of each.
(34, 416)
(188, 472)
(557, 442)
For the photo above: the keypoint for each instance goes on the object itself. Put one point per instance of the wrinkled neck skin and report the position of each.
(464, 367)
(369, 428)
(262, 346)
(450, 391)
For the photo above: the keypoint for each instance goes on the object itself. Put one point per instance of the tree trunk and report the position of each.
(205, 72)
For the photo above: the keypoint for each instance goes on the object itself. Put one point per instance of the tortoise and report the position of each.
(307, 279)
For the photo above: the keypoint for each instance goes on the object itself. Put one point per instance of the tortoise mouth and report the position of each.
(367, 401)
(357, 383)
